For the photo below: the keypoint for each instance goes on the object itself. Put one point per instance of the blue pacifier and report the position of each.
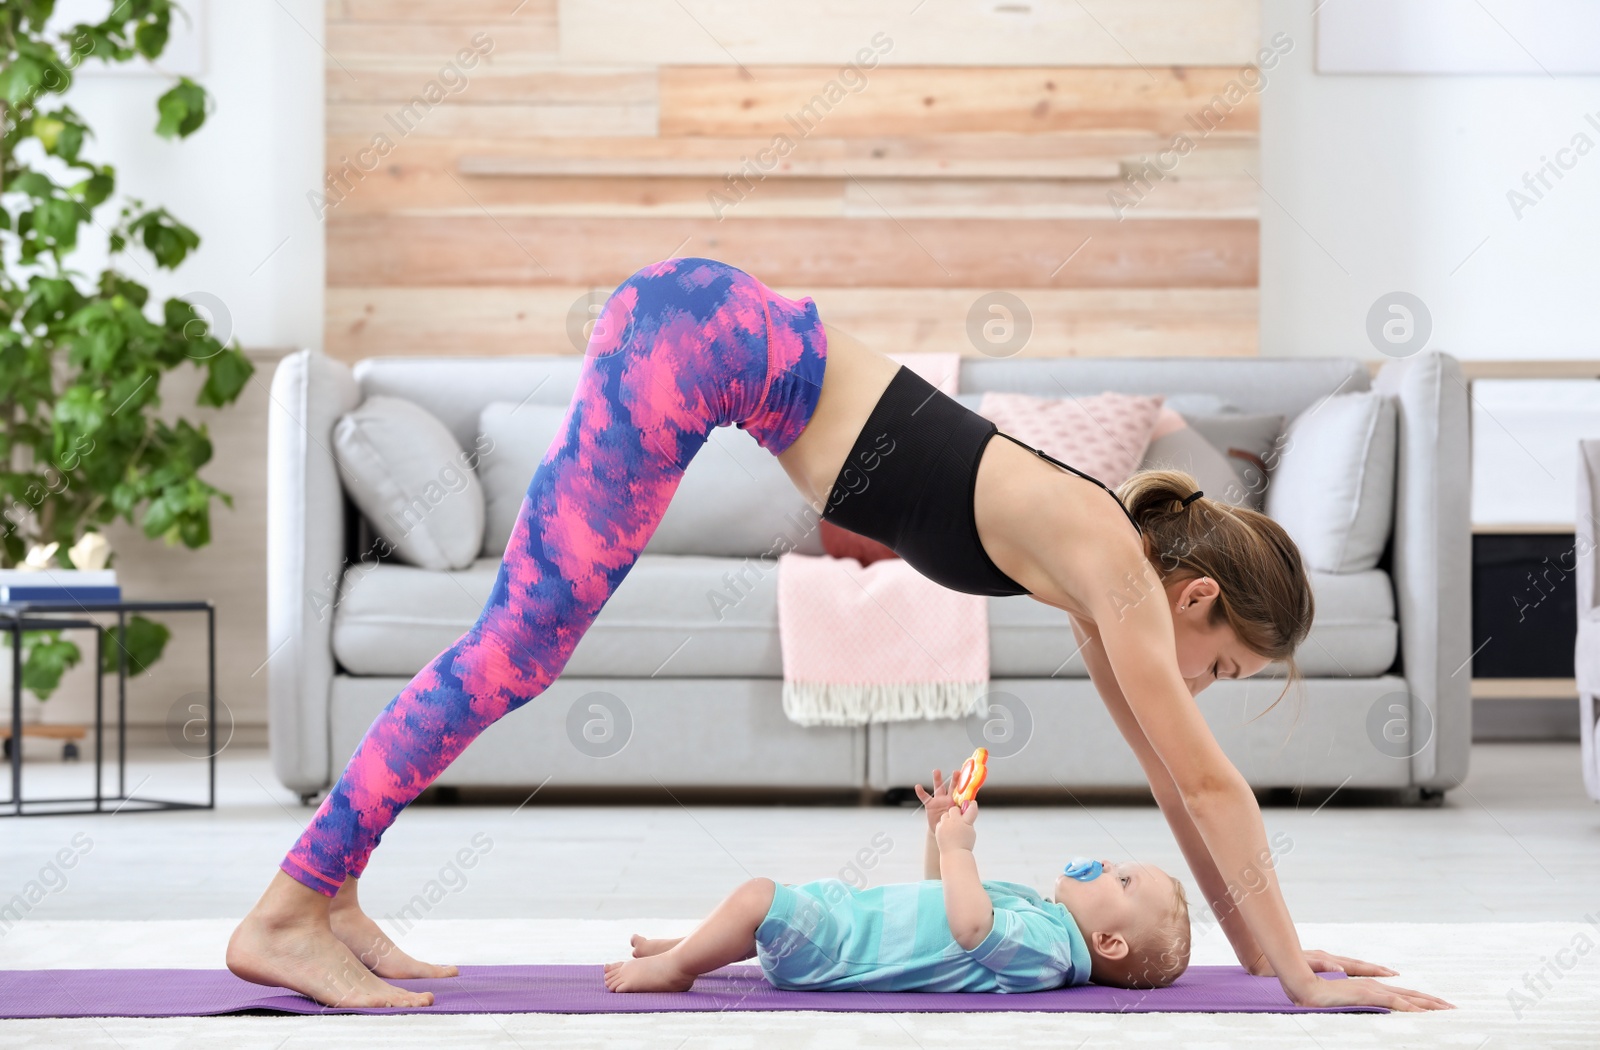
(1083, 870)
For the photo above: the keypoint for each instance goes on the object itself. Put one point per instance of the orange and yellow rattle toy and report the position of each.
(965, 784)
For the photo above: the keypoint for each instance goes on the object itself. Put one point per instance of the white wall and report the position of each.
(240, 181)
(1377, 184)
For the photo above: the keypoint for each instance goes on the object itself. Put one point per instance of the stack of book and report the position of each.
(62, 586)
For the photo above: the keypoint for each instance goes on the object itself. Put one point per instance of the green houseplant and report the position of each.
(82, 355)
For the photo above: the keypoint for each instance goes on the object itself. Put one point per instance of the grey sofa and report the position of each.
(664, 692)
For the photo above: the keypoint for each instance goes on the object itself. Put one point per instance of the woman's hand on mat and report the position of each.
(937, 803)
(1364, 991)
(955, 829)
(1325, 962)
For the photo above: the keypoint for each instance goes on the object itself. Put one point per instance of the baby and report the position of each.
(1125, 925)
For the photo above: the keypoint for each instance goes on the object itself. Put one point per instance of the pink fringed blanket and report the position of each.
(877, 644)
(884, 642)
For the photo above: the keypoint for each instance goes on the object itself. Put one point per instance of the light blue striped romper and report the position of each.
(827, 935)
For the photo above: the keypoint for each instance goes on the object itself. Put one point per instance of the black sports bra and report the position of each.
(1076, 471)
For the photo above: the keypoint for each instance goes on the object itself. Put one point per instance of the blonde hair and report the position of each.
(1265, 590)
(1158, 951)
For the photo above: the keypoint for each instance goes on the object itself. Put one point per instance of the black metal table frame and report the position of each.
(20, 617)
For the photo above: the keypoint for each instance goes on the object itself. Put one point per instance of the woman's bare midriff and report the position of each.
(853, 379)
(1023, 505)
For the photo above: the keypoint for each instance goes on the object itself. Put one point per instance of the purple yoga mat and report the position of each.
(580, 990)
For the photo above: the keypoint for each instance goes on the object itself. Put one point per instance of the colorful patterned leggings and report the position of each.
(681, 347)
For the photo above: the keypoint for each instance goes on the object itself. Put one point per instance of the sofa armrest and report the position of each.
(305, 537)
(1433, 557)
(1586, 658)
(1587, 525)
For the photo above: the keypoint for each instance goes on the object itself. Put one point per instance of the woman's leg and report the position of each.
(727, 936)
(680, 348)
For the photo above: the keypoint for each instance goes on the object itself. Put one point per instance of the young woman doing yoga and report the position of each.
(1167, 591)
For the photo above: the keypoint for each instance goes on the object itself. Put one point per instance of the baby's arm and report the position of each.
(967, 906)
(935, 805)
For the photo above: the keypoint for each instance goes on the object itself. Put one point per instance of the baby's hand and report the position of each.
(955, 829)
(937, 803)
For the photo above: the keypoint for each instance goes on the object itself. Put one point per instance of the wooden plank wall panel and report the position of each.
(520, 320)
(930, 100)
(487, 249)
(468, 209)
(933, 32)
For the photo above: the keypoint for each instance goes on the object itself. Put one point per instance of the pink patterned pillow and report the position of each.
(1104, 436)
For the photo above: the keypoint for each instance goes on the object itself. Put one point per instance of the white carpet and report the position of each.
(1475, 965)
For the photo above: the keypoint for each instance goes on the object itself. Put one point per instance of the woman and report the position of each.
(1189, 592)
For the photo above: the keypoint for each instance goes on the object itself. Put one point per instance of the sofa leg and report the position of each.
(898, 796)
(1431, 797)
(308, 798)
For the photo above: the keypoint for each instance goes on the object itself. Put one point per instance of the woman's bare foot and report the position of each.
(287, 941)
(371, 945)
(644, 947)
(654, 973)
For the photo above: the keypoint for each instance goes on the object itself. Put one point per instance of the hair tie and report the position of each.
(1191, 497)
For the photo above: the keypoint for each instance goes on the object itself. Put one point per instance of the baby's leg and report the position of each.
(644, 946)
(728, 935)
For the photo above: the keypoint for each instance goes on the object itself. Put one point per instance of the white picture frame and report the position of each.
(1495, 37)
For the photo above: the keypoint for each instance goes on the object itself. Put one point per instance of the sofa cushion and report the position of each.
(1250, 443)
(673, 616)
(412, 481)
(735, 499)
(1354, 634)
(1186, 450)
(1332, 488)
(696, 616)
(1103, 435)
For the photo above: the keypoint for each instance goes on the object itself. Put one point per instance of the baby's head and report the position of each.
(1136, 920)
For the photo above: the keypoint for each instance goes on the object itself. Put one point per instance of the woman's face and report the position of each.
(1207, 652)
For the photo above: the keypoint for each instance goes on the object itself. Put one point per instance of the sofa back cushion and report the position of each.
(1104, 435)
(1332, 488)
(412, 481)
(1186, 450)
(734, 500)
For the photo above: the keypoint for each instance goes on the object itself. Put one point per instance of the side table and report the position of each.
(15, 619)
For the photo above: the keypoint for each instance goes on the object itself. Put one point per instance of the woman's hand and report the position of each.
(1324, 962)
(937, 803)
(1364, 991)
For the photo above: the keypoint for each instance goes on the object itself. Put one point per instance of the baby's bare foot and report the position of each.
(308, 958)
(644, 947)
(374, 948)
(655, 973)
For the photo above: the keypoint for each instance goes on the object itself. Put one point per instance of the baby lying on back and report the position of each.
(1118, 924)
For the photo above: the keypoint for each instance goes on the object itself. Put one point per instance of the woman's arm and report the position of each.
(1204, 869)
(1217, 892)
(1139, 645)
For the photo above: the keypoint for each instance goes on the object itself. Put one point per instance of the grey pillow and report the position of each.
(1250, 445)
(735, 500)
(1188, 451)
(410, 478)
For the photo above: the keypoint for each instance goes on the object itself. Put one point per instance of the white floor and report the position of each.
(1464, 900)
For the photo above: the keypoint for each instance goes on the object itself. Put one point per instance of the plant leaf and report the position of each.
(182, 109)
